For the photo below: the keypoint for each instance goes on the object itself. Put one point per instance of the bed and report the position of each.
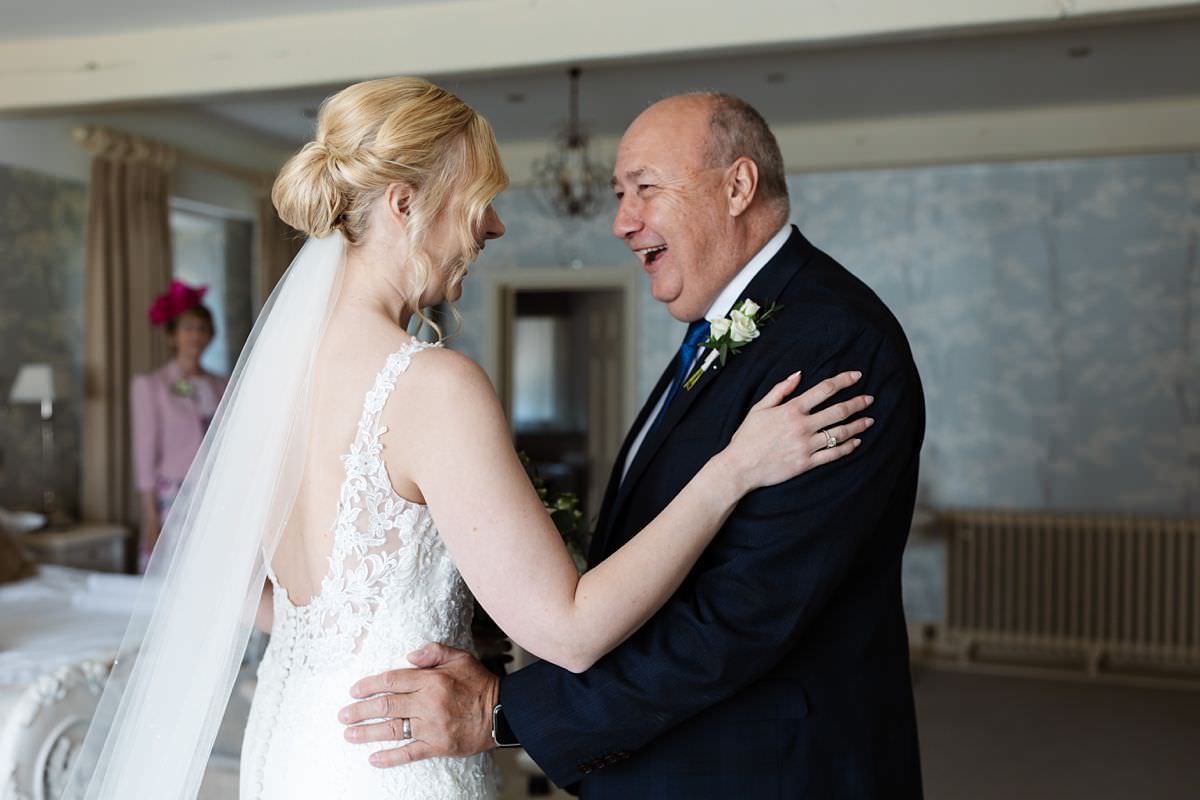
(59, 631)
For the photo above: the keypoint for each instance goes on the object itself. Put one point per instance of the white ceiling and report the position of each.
(1082, 65)
(25, 19)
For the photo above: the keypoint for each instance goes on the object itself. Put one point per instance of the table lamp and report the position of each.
(35, 384)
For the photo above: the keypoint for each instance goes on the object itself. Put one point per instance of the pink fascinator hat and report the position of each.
(174, 301)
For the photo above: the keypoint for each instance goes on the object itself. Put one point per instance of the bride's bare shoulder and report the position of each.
(443, 403)
(445, 377)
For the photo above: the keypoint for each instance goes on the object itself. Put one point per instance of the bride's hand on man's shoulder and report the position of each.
(779, 440)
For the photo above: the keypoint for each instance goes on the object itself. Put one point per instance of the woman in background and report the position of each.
(172, 407)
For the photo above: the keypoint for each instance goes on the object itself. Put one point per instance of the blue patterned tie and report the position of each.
(697, 333)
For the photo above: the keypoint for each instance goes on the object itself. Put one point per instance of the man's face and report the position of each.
(673, 209)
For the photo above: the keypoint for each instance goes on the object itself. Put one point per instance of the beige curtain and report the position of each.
(277, 244)
(128, 263)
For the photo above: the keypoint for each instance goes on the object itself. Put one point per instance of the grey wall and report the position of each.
(1053, 308)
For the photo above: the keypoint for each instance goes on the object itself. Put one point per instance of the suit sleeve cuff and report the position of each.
(526, 708)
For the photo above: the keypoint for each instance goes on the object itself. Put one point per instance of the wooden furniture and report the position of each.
(95, 546)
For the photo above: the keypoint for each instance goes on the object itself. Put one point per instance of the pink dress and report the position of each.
(170, 414)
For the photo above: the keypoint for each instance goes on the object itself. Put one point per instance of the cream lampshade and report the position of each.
(35, 384)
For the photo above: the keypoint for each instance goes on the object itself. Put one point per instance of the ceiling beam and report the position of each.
(456, 37)
(1167, 125)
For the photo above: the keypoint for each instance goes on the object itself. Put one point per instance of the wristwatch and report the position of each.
(502, 734)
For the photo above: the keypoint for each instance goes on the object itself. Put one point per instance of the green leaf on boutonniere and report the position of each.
(724, 349)
(766, 315)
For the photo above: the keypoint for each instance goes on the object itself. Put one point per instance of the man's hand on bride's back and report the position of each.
(779, 440)
(448, 702)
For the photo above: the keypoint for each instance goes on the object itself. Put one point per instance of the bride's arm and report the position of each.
(507, 548)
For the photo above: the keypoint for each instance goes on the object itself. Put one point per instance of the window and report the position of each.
(212, 251)
(538, 389)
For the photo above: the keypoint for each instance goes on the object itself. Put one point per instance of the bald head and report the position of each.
(678, 125)
(687, 109)
(718, 129)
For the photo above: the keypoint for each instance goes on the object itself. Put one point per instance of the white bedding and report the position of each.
(55, 630)
(60, 617)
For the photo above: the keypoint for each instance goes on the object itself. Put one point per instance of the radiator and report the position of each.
(1105, 592)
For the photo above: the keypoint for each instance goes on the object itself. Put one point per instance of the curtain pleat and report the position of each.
(128, 264)
(277, 244)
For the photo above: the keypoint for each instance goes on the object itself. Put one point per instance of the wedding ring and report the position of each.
(405, 728)
(830, 440)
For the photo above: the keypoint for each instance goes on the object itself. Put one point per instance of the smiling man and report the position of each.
(780, 667)
(693, 219)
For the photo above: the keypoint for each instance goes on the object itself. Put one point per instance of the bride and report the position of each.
(371, 479)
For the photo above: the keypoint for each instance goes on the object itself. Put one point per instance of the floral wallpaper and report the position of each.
(42, 223)
(1053, 309)
(1054, 312)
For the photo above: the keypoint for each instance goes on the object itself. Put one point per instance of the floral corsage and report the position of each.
(728, 335)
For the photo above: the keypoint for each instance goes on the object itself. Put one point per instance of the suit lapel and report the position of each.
(604, 522)
(764, 289)
(672, 414)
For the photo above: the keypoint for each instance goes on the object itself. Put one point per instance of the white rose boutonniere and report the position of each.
(718, 328)
(742, 329)
(728, 335)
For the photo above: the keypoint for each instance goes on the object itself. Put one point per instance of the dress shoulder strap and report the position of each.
(369, 429)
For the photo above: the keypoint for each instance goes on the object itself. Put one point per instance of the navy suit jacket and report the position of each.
(780, 666)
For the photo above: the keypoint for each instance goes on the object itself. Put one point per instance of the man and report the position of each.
(780, 667)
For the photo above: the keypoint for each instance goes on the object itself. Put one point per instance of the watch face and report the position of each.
(502, 734)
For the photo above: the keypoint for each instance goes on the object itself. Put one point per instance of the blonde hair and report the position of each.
(395, 130)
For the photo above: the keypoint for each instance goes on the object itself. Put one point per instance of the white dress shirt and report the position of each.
(720, 307)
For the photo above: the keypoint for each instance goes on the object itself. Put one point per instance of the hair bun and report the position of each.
(390, 131)
(306, 194)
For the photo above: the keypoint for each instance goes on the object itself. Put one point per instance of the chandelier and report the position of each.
(571, 181)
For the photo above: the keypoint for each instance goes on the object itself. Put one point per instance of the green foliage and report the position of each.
(564, 512)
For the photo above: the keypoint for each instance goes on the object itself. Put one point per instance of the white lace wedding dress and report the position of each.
(391, 588)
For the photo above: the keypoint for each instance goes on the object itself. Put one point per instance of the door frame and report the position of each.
(620, 279)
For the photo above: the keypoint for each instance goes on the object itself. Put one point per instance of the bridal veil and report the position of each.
(158, 716)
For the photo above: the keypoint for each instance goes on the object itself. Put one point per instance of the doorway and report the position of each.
(565, 376)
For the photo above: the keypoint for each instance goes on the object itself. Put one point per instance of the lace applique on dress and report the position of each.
(391, 587)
